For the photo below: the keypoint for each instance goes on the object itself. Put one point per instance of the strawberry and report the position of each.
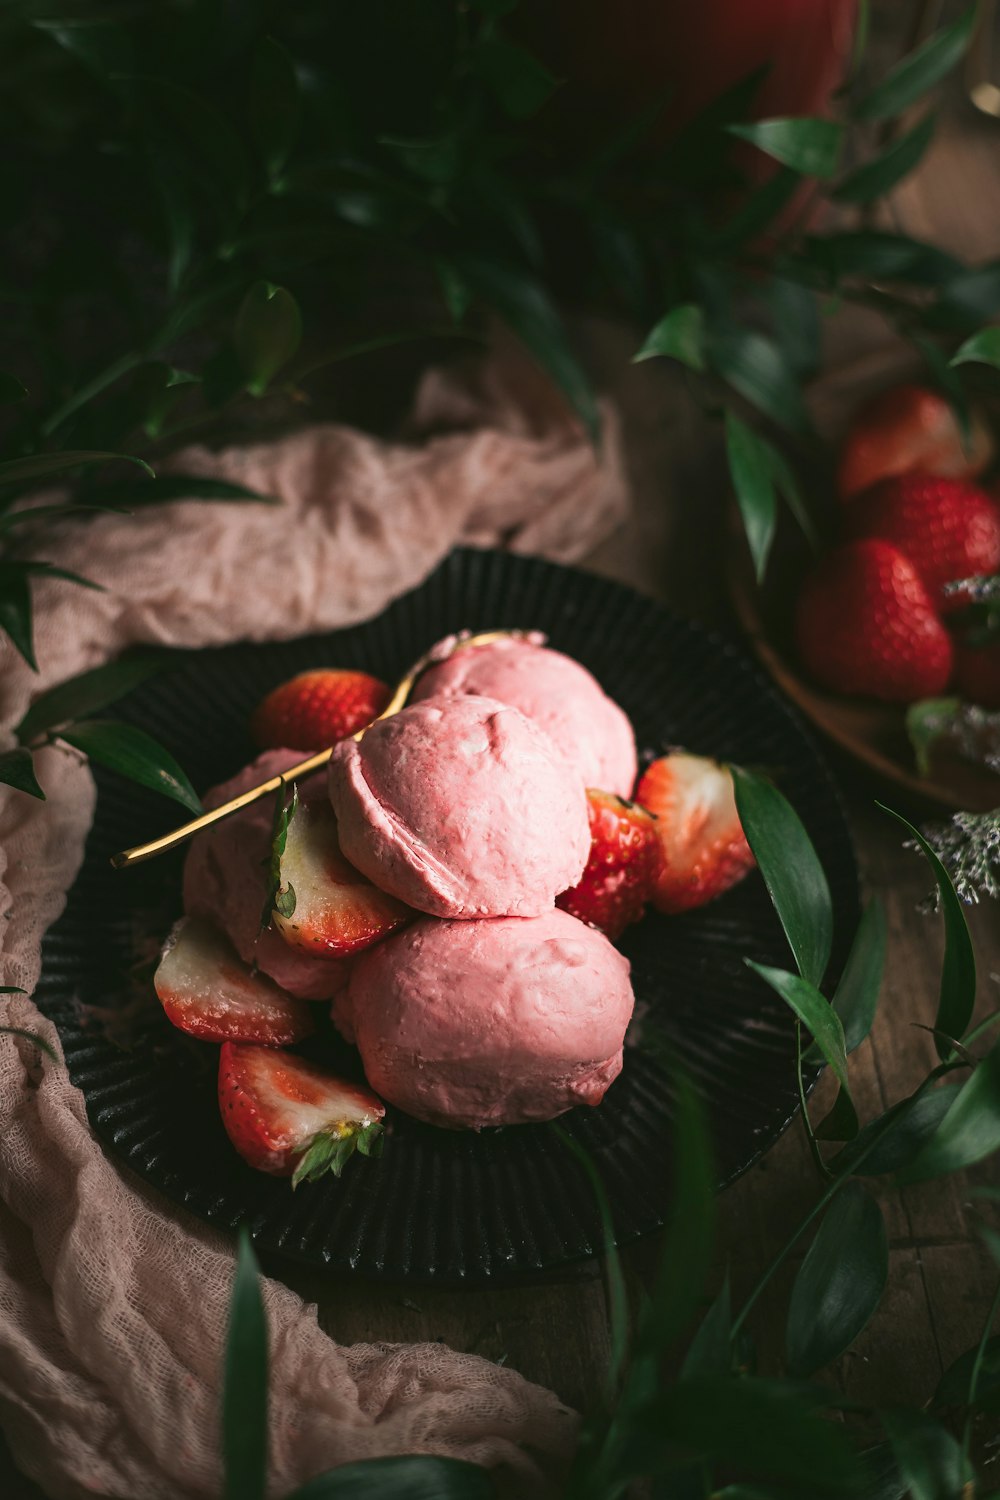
(864, 623)
(977, 673)
(288, 1117)
(315, 709)
(207, 991)
(624, 858)
(947, 528)
(703, 850)
(905, 429)
(325, 906)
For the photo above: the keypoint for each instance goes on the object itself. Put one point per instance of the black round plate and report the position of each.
(440, 1205)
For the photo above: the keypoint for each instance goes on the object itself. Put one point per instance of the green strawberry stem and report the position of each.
(330, 1151)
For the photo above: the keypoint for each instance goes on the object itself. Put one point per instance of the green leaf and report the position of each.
(875, 177)
(969, 1131)
(11, 389)
(687, 1245)
(617, 1296)
(279, 838)
(29, 1036)
(524, 306)
(926, 721)
(811, 147)
(856, 996)
(931, 1462)
(958, 971)
(519, 82)
(919, 72)
(879, 255)
(840, 1282)
(815, 1012)
(15, 609)
(267, 333)
(755, 367)
(791, 869)
(970, 297)
(765, 1429)
(134, 754)
(750, 470)
(91, 691)
(457, 296)
(711, 1350)
(17, 769)
(679, 335)
(41, 465)
(953, 1388)
(982, 348)
(244, 1396)
(166, 487)
(413, 1477)
(914, 1122)
(756, 211)
(275, 104)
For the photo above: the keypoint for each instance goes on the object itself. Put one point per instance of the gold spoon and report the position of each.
(436, 654)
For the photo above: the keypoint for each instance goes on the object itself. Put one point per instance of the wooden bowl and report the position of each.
(871, 732)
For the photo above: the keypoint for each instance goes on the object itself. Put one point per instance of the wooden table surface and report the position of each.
(940, 1279)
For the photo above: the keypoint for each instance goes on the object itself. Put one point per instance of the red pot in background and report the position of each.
(617, 55)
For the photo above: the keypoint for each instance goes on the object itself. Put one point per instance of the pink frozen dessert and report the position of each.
(493, 1022)
(225, 882)
(555, 692)
(461, 807)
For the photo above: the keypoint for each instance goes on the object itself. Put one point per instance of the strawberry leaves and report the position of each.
(278, 898)
(330, 1152)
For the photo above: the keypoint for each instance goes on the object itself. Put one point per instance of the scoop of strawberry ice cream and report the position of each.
(493, 1022)
(461, 807)
(554, 691)
(225, 880)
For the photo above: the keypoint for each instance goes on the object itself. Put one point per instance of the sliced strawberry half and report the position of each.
(208, 991)
(290, 1118)
(324, 905)
(624, 860)
(702, 845)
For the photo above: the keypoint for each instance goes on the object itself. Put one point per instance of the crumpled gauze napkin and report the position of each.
(113, 1303)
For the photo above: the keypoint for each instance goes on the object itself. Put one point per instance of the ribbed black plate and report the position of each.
(441, 1205)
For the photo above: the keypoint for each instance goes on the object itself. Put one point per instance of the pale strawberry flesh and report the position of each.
(278, 1108)
(703, 847)
(336, 911)
(208, 991)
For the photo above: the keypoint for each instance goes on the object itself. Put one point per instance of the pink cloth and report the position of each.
(112, 1301)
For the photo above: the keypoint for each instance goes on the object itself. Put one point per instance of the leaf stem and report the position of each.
(817, 1155)
(93, 387)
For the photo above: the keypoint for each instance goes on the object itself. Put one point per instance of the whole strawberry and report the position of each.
(315, 709)
(288, 1117)
(949, 529)
(703, 849)
(613, 890)
(977, 673)
(864, 623)
(906, 429)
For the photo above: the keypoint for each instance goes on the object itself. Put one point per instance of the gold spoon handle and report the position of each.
(140, 852)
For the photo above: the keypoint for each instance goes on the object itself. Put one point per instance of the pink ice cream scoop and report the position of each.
(556, 693)
(225, 881)
(461, 807)
(494, 1022)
